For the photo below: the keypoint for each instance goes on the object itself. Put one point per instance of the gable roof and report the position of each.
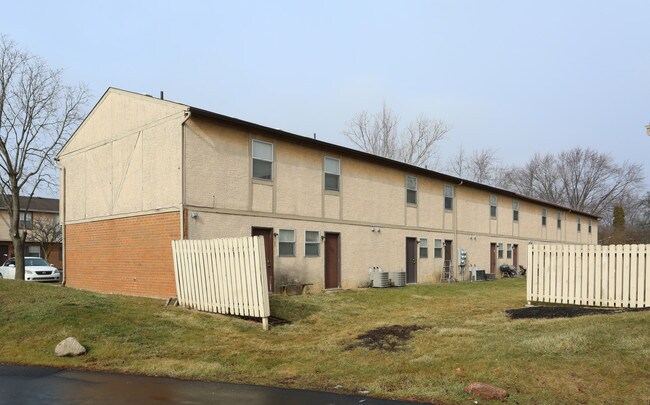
(318, 144)
(38, 204)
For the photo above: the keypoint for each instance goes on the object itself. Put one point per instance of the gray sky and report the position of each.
(516, 76)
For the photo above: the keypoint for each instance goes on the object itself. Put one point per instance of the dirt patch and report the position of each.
(273, 321)
(548, 312)
(388, 338)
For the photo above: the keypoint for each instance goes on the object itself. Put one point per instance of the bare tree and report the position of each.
(582, 179)
(379, 134)
(37, 114)
(47, 233)
(482, 166)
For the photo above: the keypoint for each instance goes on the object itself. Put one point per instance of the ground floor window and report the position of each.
(424, 248)
(312, 243)
(500, 250)
(34, 251)
(287, 245)
(509, 251)
(437, 249)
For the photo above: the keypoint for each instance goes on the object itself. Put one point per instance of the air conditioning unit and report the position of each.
(398, 278)
(379, 279)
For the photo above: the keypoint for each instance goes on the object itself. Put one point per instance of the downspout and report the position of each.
(62, 223)
(453, 254)
(188, 114)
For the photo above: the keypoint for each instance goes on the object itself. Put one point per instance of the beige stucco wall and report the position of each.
(124, 159)
(219, 188)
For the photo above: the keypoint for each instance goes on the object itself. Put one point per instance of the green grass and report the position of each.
(468, 338)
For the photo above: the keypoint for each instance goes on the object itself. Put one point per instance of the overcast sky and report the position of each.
(516, 76)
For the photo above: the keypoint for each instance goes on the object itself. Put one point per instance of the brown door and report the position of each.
(411, 260)
(267, 233)
(449, 251)
(4, 253)
(493, 258)
(332, 260)
(515, 256)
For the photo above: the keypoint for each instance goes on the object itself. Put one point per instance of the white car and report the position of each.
(36, 269)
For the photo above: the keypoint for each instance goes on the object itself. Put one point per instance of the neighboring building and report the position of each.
(141, 172)
(39, 208)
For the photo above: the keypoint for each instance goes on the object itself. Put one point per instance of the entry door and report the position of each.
(267, 233)
(493, 258)
(332, 260)
(411, 260)
(4, 253)
(515, 256)
(449, 252)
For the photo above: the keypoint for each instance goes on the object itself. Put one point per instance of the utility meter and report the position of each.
(462, 257)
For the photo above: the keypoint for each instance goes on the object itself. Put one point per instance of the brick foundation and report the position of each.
(131, 256)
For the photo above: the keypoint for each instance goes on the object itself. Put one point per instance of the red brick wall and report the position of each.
(131, 256)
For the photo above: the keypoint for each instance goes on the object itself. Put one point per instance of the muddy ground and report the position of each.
(547, 312)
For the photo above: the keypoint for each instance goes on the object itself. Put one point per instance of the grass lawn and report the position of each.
(466, 337)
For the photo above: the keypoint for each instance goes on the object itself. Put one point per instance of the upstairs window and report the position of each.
(515, 211)
(262, 160)
(543, 216)
(449, 197)
(332, 174)
(411, 190)
(424, 248)
(437, 249)
(312, 243)
(589, 227)
(559, 219)
(287, 244)
(493, 206)
(25, 220)
(578, 224)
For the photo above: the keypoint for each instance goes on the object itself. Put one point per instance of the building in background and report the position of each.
(33, 213)
(141, 172)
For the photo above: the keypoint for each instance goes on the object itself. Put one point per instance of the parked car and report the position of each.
(36, 269)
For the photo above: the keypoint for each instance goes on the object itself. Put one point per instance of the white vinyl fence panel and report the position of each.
(226, 276)
(593, 275)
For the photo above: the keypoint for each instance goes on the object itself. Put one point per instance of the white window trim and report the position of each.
(435, 246)
(515, 208)
(412, 189)
(317, 243)
(325, 173)
(424, 244)
(444, 196)
(292, 242)
(253, 158)
(493, 199)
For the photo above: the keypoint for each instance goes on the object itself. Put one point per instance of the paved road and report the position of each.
(45, 385)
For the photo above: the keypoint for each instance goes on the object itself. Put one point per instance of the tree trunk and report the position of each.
(19, 254)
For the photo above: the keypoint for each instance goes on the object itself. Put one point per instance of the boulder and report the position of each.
(486, 391)
(69, 347)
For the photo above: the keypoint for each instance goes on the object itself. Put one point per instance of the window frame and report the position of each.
(493, 206)
(254, 158)
(544, 216)
(559, 219)
(326, 173)
(500, 250)
(413, 191)
(589, 226)
(579, 225)
(25, 220)
(515, 211)
(312, 243)
(292, 243)
(448, 199)
(437, 248)
(509, 251)
(424, 248)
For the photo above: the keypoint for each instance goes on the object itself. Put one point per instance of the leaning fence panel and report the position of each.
(226, 276)
(610, 276)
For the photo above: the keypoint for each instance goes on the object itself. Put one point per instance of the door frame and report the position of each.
(267, 234)
(493, 258)
(326, 263)
(414, 251)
